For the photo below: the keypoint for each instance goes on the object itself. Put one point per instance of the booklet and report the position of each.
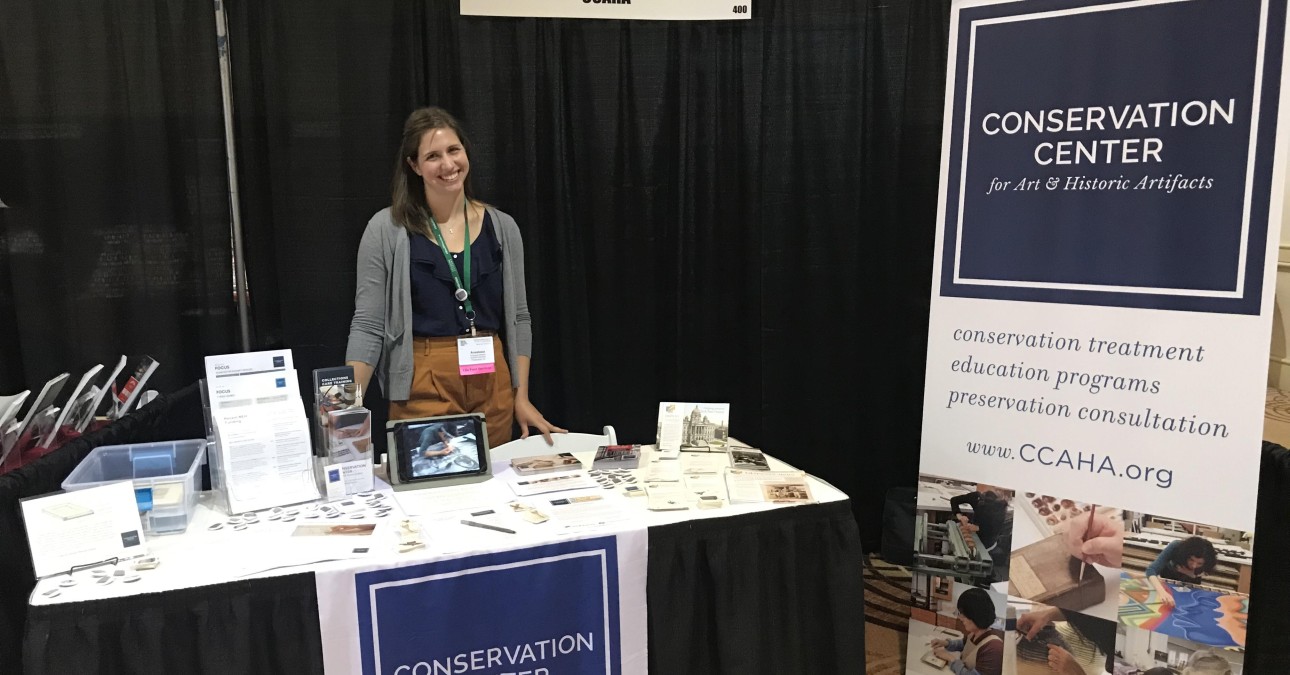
(693, 427)
(617, 457)
(535, 464)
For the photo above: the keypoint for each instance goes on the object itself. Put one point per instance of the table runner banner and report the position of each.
(575, 607)
(1110, 204)
(671, 10)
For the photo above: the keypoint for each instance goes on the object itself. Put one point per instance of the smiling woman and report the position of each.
(440, 292)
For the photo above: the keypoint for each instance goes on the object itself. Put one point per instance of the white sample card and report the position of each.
(347, 478)
(83, 527)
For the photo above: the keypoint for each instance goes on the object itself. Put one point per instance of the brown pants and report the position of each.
(438, 388)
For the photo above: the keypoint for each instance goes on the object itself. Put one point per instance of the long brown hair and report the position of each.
(408, 206)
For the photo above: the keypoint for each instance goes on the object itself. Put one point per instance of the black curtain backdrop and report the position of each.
(713, 211)
(115, 239)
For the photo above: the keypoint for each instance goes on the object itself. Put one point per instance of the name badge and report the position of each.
(475, 355)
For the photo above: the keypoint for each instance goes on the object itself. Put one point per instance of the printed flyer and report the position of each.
(1110, 206)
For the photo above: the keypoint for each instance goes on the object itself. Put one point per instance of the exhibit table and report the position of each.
(745, 588)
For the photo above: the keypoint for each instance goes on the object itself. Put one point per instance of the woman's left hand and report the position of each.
(528, 416)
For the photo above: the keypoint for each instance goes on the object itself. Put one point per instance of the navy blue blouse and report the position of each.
(435, 312)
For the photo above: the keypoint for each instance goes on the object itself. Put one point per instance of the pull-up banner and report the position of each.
(1110, 203)
(667, 10)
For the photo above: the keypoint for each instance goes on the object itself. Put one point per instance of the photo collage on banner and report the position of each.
(1110, 208)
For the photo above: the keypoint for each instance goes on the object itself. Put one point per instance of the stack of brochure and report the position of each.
(262, 452)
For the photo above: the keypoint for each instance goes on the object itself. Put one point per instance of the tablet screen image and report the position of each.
(439, 448)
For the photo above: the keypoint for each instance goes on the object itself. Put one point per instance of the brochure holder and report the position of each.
(260, 450)
(214, 458)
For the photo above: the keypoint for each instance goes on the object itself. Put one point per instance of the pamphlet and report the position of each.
(693, 427)
(535, 464)
(706, 485)
(662, 471)
(554, 483)
(349, 435)
(334, 389)
(81, 528)
(780, 487)
(447, 500)
(617, 457)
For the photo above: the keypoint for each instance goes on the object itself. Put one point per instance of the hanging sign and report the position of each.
(664, 10)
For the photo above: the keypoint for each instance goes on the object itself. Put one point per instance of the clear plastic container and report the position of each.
(166, 475)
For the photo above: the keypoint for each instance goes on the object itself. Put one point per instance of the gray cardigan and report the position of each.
(381, 333)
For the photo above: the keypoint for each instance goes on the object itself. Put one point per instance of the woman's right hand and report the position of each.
(1100, 542)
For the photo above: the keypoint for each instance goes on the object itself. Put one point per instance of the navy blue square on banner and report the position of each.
(279, 362)
(1114, 154)
(552, 607)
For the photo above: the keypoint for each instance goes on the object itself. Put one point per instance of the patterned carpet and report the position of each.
(886, 595)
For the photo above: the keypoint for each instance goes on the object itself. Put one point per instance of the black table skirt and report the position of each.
(774, 592)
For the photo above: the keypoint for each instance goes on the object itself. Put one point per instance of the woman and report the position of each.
(988, 519)
(1186, 560)
(436, 266)
(981, 650)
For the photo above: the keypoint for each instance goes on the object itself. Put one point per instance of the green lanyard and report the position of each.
(463, 289)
